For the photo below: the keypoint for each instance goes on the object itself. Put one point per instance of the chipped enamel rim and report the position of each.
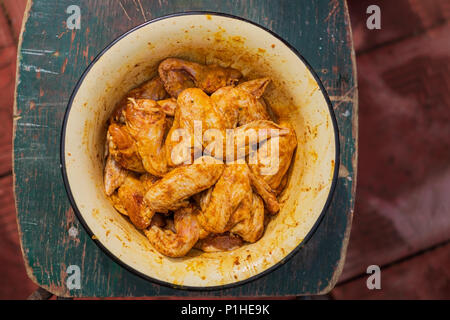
(190, 282)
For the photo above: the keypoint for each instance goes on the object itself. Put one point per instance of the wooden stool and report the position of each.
(52, 57)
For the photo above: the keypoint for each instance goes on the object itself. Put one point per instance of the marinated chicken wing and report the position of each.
(131, 198)
(178, 144)
(194, 115)
(168, 106)
(148, 180)
(273, 158)
(198, 115)
(176, 81)
(237, 143)
(228, 194)
(178, 243)
(194, 104)
(123, 149)
(182, 183)
(168, 143)
(202, 199)
(152, 89)
(209, 78)
(146, 122)
(114, 175)
(117, 203)
(242, 104)
(248, 220)
(246, 138)
(255, 87)
(255, 109)
(265, 191)
(219, 242)
(227, 101)
(138, 145)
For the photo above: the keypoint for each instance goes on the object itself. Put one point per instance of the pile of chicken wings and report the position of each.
(167, 170)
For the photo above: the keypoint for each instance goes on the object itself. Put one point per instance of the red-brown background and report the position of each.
(402, 216)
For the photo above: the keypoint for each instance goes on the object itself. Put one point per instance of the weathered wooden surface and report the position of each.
(12, 266)
(15, 9)
(422, 277)
(7, 71)
(51, 60)
(14, 283)
(400, 19)
(402, 203)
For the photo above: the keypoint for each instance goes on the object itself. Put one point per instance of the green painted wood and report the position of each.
(52, 58)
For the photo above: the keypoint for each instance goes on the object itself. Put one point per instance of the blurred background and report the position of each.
(402, 216)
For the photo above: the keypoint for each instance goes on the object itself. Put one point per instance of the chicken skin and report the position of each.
(183, 182)
(219, 242)
(123, 149)
(195, 160)
(114, 175)
(138, 143)
(202, 199)
(233, 206)
(248, 220)
(245, 139)
(178, 243)
(273, 158)
(208, 78)
(242, 104)
(152, 89)
(146, 122)
(177, 81)
(168, 106)
(265, 191)
(227, 195)
(194, 115)
(203, 125)
(130, 198)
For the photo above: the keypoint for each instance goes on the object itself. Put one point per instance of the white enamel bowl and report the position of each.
(295, 94)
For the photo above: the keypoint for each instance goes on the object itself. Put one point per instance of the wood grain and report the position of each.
(404, 175)
(14, 10)
(52, 59)
(399, 20)
(7, 74)
(11, 257)
(423, 277)
(6, 38)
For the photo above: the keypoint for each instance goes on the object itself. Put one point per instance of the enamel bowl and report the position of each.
(295, 94)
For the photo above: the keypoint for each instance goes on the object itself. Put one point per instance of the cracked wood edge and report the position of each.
(16, 117)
